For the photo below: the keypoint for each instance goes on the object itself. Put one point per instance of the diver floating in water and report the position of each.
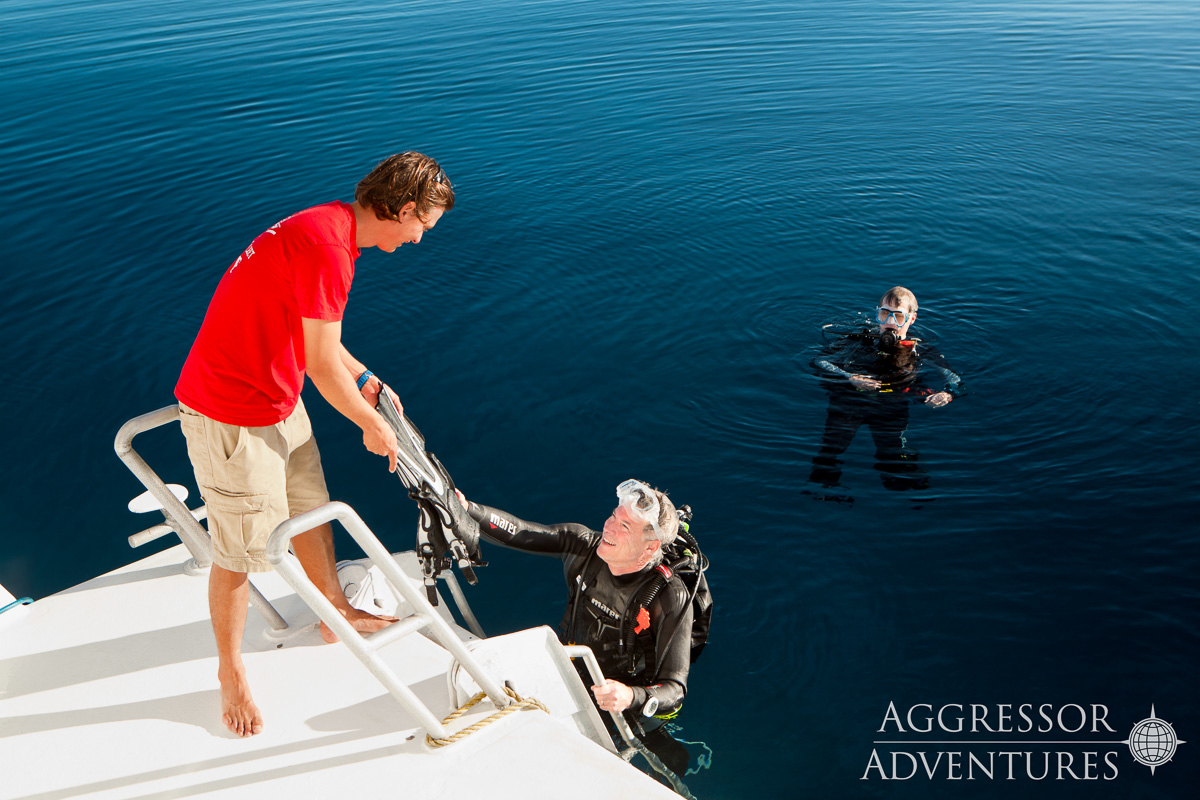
(872, 376)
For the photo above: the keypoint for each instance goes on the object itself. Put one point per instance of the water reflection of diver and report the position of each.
(627, 605)
(871, 377)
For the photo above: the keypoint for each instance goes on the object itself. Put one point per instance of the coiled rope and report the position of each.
(519, 704)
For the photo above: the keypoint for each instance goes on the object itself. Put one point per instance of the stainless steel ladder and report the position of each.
(366, 647)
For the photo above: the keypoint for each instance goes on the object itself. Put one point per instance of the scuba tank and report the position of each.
(684, 559)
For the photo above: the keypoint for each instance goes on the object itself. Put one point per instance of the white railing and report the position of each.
(365, 648)
(180, 519)
(635, 745)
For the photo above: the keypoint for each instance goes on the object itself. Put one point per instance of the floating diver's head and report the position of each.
(643, 522)
(897, 311)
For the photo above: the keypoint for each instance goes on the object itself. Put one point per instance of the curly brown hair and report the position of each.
(403, 178)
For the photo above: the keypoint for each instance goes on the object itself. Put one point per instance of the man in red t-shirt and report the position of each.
(277, 316)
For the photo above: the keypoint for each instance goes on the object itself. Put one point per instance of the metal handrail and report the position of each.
(464, 607)
(194, 537)
(182, 521)
(618, 718)
(597, 674)
(366, 648)
(163, 528)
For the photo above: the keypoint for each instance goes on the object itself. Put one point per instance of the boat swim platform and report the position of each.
(108, 690)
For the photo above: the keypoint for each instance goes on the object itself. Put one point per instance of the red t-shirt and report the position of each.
(247, 364)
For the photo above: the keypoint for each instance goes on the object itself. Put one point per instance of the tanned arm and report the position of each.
(331, 374)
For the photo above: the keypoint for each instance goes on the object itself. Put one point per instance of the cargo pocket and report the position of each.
(239, 527)
(236, 503)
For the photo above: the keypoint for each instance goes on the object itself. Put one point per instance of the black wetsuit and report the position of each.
(909, 373)
(658, 665)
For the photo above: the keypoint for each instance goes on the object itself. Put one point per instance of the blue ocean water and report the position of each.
(660, 204)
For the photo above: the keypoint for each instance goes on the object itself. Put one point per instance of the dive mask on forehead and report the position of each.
(640, 502)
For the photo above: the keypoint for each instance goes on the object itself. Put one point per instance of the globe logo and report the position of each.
(1152, 741)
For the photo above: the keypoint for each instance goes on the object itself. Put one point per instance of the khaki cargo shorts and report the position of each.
(252, 479)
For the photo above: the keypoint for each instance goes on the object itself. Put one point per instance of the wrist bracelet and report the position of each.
(362, 379)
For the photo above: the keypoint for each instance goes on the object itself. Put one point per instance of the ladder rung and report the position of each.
(364, 647)
(397, 630)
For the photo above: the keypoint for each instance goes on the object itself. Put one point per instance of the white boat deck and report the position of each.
(108, 690)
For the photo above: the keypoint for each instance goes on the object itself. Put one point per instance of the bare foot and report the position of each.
(238, 711)
(360, 620)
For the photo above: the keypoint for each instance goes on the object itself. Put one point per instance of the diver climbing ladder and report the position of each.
(366, 648)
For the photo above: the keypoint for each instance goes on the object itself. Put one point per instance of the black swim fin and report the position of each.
(446, 533)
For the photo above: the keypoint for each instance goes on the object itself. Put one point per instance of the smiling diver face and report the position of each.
(623, 544)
